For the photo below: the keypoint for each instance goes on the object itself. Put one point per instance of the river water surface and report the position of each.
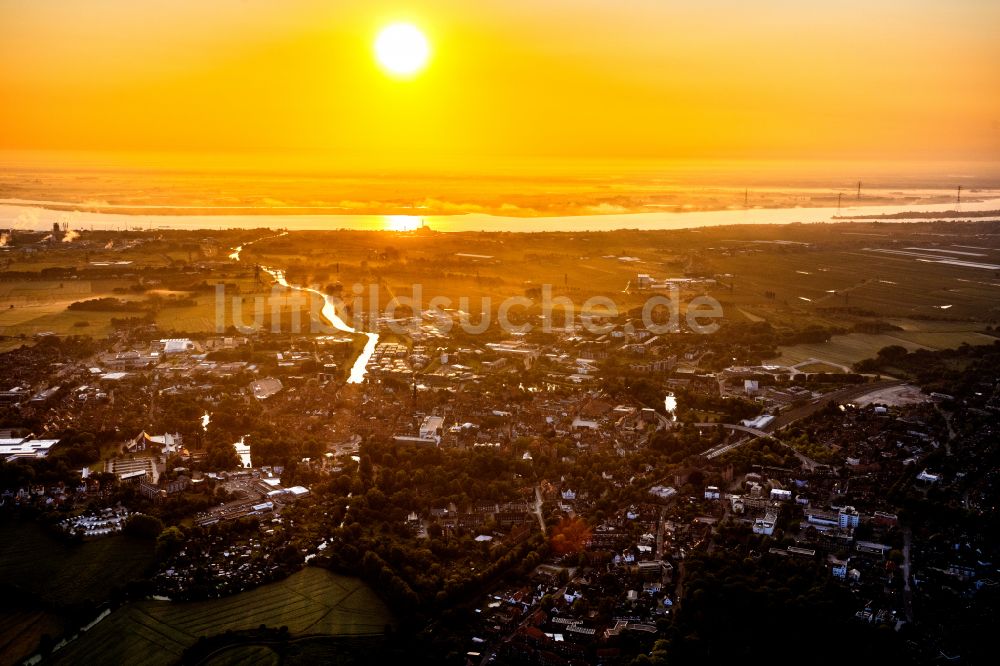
(26, 216)
(329, 311)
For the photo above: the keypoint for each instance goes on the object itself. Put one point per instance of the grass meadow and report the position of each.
(311, 602)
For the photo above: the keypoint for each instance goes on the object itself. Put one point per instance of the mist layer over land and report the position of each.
(218, 185)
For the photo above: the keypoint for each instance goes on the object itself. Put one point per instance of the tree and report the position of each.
(142, 526)
(169, 542)
(570, 536)
(892, 353)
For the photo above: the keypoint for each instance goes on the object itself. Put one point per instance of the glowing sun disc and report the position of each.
(402, 49)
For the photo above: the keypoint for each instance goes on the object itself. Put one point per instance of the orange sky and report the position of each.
(521, 79)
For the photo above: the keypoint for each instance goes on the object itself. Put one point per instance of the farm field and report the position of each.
(52, 317)
(853, 347)
(818, 281)
(8, 344)
(328, 650)
(789, 276)
(819, 366)
(60, 573)
(245, 655)
(54, 575)
(312, 601)
(35, 306)
(21, 630)
(573, 266)
(841, 349)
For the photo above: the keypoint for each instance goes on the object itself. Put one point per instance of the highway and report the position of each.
(717, 451)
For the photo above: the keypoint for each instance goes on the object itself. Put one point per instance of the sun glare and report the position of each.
(402, 222)
(401, 49)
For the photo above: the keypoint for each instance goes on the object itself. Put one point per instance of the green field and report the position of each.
(21, 630)
(891, 286)
(790, 276)
(59, 573)
(853, 347)
(327, 650)
(31, 307)
(245, 655)
(9, 344)
(312, 601)
(54, 575)
(35, 306)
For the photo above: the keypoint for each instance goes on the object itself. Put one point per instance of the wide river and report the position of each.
(21, 216)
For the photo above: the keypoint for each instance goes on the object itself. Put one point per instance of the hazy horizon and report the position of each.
(142, 184)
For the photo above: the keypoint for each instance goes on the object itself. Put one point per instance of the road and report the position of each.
(951, 431)
(907, 592)
(679, 589)
(659, 533)
(717, 451)
(733, 426)
(790, 416)
(538, 508)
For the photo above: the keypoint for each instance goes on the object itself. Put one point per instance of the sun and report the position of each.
(402, 49)
(402, 222)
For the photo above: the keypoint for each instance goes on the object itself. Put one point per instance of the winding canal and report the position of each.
(329, 312)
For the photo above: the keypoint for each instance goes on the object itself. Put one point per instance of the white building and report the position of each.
(765, 525)
(243, 453)
(712, 493)
(263, 389)
(21, 447)
(781, 495)
(166, 442)
(431, 428)
(663, 492)
(820, 517)
(584, 424)
(848, 518)
(759, 423)
(928, 477)
(177, 345)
